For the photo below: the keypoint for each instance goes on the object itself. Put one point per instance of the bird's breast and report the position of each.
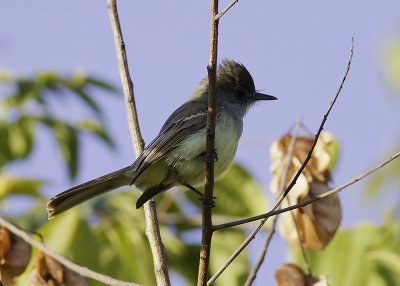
(187, 159)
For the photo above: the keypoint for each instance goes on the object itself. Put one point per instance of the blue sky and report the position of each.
(295, 50)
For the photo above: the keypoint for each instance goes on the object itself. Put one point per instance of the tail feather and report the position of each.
(81, 193)
(149, 193)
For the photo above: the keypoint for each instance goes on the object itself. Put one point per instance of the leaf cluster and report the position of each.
(28, 102)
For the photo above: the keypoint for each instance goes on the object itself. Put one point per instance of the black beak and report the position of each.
(261, 96)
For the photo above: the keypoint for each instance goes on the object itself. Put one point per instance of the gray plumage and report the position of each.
(176, 155)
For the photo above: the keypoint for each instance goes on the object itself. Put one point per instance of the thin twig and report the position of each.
(316, 137)
(262, 222)
(226, 9)
(307, 267)
(84, 271)
(253, 273)
(206, 237)
(321, 127)
(286, 165)
(312, 200)
(152, 227)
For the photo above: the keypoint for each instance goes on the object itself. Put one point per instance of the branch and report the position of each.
(226, 9)
(253, 273)
(152, 228)
(84, 271)
(207, 227)
(260, 225)
(321, 127)
(316, 137)
(312, 200)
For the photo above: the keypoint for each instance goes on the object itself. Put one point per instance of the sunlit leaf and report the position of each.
(20, 137)
(392, 64)
(237, 194)
(88, 100)
(224, 243)
(386, 258)
(97, 130)
(68, 141)
(385, 177)
(349, 258)
(19, 186)
(101, 84)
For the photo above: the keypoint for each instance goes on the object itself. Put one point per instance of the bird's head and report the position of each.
(236, 79)
(235, 86)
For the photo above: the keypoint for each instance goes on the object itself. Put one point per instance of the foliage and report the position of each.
(108, 234)
(29, 104)
(366, 255)
(391, 63)
(112, 240)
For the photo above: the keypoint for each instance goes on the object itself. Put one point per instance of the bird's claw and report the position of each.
(215, 156)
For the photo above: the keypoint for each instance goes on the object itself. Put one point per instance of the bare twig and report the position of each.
(84, 271)
(286, 165)
(312, 200)
(321, 127)
(316, 137)
(253, 272)
(226, 9)
(152, 228)
(307, 267)
(207, 231)
(262, 222)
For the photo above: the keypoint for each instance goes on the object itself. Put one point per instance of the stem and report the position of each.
(207, 227)
(84, 271)
(152, 227)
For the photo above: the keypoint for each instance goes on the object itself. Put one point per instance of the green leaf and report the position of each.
(237, 194)
(101, 84)
(224, 243)
(392, 64)
(95, 129)
(88, 100)
(20, 137)
(387, 259)
(6, 154)
(19, 186)
(383, 178)
(350, 259)
(68, 143)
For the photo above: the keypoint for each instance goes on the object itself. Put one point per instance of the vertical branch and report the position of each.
(126, 81)
(152, 228)
(210, 153)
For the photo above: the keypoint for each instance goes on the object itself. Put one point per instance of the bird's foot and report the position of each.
(201, 195)
(209, 204)
(215, 156)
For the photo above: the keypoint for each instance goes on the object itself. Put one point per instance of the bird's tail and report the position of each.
(81, 193)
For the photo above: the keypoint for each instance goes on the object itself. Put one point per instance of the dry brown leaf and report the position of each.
(49, 272)
(15, 254)
(5, 243)
(292, 275)
(318, 222)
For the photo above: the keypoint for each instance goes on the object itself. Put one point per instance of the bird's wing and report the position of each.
(188, 119)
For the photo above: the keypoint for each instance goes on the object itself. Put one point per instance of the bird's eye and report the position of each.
(241, 93)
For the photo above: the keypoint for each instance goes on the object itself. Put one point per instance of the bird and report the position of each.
(177, 155)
